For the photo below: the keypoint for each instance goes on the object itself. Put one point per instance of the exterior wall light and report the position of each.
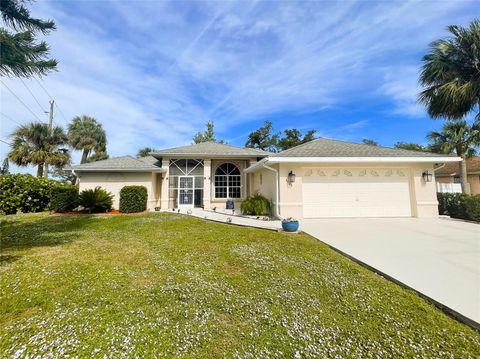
(291, 177)
(427, 176)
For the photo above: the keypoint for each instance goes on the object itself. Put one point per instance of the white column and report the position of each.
(207, 180)
(164, 190)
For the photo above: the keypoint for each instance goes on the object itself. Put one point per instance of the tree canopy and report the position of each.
(263, 138)
(144, 152)
(22, 55)
(86, 134)
(36, 144)
(370, 142)
(206, 136)
(450, 74)
(293, 137)
(410, 146)
(459, 138)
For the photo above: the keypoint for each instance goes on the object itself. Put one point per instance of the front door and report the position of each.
(185, 192)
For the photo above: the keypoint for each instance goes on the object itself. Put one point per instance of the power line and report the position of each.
(61, 113)
(31, 93)
(51, 98)
(9, 118)
(44, 89)
(19, 99)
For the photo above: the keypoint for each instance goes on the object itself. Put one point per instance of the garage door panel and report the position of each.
(376, 193)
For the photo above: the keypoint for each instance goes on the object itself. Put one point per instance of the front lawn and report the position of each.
(166, 285)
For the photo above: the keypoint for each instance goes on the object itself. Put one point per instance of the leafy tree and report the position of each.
(293, 137)
(22, 56)
(87, 134)
(264, 138)
(206, 136)
(410, 146)
(4, 170)
(367, 141)
(62, 176)
(36, 144)
(451, 74)
(460, 138)
(144, 152)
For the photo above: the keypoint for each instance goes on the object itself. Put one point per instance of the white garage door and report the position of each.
(356, 192)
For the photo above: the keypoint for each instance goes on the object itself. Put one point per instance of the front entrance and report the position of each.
(185, 191)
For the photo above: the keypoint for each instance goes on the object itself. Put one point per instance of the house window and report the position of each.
(456, 179)
(227, 181)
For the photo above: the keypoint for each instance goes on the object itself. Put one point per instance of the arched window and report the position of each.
(227, 181)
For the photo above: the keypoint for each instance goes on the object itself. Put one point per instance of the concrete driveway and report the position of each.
(438, 257)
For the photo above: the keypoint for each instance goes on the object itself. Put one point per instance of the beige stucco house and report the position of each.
(321, 178)
(448, 176)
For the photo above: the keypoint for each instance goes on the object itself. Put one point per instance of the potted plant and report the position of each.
(290, 224)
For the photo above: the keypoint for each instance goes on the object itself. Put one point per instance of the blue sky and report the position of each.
(154, 72)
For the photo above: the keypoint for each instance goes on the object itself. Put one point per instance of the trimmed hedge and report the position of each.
(64, 198)
(459, 205)
(133, 199)
(96, 200)
(256, 205)
(472, 207)
(23, 192)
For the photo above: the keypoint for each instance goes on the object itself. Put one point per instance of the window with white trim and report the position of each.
(227, 181)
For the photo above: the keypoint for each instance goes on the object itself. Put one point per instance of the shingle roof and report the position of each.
(211, 149)
(128, 163)
(323, 147)
(451, 169)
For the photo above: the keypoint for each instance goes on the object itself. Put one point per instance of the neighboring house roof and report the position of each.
(125, 163)
(451, 169)
(323, 147)
(210, 149)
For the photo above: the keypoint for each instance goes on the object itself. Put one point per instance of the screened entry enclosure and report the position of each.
(185, 183)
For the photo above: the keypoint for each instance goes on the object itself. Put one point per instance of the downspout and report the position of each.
(277, 188)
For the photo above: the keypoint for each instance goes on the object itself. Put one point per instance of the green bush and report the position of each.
(133, 199)
(472, 207)
(23, 192)
(96, 200)
(256, 205)
(64, 198)
(452, 204)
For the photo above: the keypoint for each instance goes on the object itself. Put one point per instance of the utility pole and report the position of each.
(50, 125)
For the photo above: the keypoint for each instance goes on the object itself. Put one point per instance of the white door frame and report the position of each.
(180, 189)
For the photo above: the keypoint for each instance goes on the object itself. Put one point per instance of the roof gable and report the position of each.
(131, 163)
(323, 147)
(210, 149)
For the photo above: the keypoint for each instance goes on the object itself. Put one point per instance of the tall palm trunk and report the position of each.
(40, 170)
(84, 156)
(462, 166)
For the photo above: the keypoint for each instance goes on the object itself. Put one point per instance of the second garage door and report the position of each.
(356, 192)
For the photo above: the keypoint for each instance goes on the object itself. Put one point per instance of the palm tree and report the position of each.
(86, 134)
(460, 138)
(36, 144)
(451, 74)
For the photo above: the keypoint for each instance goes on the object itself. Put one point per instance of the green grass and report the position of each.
(165, 285)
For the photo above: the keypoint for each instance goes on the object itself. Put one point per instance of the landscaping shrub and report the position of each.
(472, 207)
(23, 192)
(64, 198)
(452, 204)
(256, 205)
(96, 200)
(133, 199)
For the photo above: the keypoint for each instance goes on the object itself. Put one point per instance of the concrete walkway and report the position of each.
(439, 258)
(226, 217)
